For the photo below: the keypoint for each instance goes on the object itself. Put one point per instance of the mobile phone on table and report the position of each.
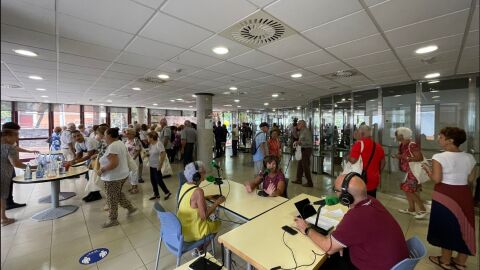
(289, 230)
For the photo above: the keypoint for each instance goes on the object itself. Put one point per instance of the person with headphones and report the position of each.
(271, 177)
(193, 211)
(373, 237)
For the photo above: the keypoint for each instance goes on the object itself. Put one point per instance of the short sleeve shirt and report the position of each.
(372, 235)
(66, 138)
(8, 151)
(189, 134)
(154, 154)
(373, 172)
(133, 146)
(143, 135)
(260, 138)
(456, 167)
(166, 132)
(86, 146)
(121, 171)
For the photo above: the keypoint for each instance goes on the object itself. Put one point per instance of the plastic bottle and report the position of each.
(28, 173)
(40, 171)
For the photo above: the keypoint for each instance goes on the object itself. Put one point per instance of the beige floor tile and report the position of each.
(9, 230)
(75, 247)
(37, 260)
(107, 235)
(128, 260)
(67, 235)
(71, 263)
(148, 252)
(142, 224)
(116, 248)
(144, 237)
(21, 250)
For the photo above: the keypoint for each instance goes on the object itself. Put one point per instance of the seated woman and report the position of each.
(272, 178)
(193, 212)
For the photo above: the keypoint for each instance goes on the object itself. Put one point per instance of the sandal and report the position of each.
(456, 265)
(436, 260)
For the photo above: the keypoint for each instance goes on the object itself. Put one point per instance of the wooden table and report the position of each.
(56, 211)
(239, 202)
(259, 242)
(186, 265)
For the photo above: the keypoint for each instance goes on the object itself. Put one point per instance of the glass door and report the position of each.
(326, 135)
(342, 130)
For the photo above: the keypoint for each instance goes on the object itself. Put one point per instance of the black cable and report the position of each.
(294, 259)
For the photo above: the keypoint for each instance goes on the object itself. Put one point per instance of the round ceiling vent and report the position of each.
(259, 31)
(342, 74)
(12, 86)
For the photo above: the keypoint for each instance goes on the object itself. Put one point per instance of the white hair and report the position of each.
(364, 130)
(71, 125)
(405, 132)
(190, 170)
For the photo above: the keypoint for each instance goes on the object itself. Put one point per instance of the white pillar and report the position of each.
(204, 128)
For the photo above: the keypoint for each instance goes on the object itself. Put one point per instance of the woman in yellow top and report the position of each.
(193, 212)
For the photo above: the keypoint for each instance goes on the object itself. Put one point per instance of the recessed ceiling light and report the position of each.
(372, 100)
(397, 96)
(40, 89)
(266, 104)
(434, 91)
(274, 110)
(228, 105)
(163, 76)
(179, 99)
(236, 100)
(298, 107)
(172, 100)
(101, 104)
(136, 88)
(296, 75)
(220, 50)
(190, 106)
(432, 82)
(233, 88)
(238, 106)
(155, 104)
(35, 77)
(336, 106)
(426, 49)
(435, 96)
(44, 96)
(274, 95)
(194, 95)
(109, 100)
(248, 110)
(432, 75)
(25, 53)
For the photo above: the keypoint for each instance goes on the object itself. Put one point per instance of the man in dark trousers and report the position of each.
(189, 139)
(218, 133)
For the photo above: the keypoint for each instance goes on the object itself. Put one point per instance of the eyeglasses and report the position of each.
(336, 190)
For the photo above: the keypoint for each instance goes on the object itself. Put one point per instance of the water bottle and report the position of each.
(40, 171)
(28, 173)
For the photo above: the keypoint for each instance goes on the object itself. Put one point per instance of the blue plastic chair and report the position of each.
(171, 235)
(181, 180)
(416, 250)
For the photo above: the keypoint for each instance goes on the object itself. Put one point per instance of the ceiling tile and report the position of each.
(151, 48)
(251, 74)
(313, 12)
(80, 70)
(176, 69)
(447, 25)
(289, 47)
(76, 29)
(170, 30)
(217, 41)
(261, 3)
(195, 59)
(448, 56)
(110, 13)
(475, 17)
(371, 59)
(270, 79)
(139, 60)
(87, 50)
(277, 67)
(26, 37)
(444, 44)
(348, 28)
(253, 59)
(393, 14)
(371, 44)
(372, 69)
(472, 38)
(221, 14)
(128, 69)
(312, 59)
(28, 16)
(83, 61)
(227, 68)
(229, 80)
(328, 68)
(151, 3)
(207, 74)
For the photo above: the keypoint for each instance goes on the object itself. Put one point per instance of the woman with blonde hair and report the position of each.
(134, 147)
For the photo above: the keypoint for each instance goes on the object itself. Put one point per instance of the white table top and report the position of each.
(209, 256)
(72, 173)
(240, 202)
(259, 241)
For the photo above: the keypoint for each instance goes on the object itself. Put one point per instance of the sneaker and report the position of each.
(141, 180)
(421, 214)
(15, 205)
(168, 196)
(154, 198)
(132, 211)
(110, 223)
(308, 185)
(405, 211)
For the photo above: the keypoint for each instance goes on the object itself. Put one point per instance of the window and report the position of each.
(94, 115)
(66, 113)
(119, 117)
(34, 123)
(6, 111)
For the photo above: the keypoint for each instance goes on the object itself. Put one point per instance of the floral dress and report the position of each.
(405, 151)
(55, 142)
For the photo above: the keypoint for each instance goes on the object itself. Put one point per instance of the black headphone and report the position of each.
(196, 176)
(345, 197)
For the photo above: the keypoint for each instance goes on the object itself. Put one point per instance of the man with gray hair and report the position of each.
(67, 142)
(305, 141)
(189, 139)
(165, 136)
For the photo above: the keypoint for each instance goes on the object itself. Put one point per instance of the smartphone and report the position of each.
(289, 230)
(262, 193)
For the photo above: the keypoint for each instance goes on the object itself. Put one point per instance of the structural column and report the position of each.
(204, 128)
(141, 115)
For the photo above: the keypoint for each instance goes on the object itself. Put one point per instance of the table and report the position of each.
(186, 265)
(56, 211)
(239, 202)
(259, 242)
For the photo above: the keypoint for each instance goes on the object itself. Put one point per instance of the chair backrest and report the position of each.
(416, 250)
(181, 180)
(170, 229)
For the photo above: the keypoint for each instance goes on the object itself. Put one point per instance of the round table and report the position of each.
(56, 210)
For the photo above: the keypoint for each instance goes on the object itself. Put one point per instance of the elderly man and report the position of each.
(305, 141)
(165, 137)
(189, 139)
(67, 142)
(373, 237)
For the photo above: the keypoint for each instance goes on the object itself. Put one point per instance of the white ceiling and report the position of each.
(104, 46)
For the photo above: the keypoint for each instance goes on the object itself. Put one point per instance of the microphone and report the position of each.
(329, 200)
(215, 180)
(266, 172)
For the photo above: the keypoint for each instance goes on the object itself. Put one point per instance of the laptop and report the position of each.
(307, 212)
(305, 208)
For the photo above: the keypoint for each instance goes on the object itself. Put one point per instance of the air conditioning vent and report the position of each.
(154, 81)
(257, 30)
(342, 74)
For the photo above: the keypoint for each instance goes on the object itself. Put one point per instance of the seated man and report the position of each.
(271, 176)
(193, 212)
(373, 237)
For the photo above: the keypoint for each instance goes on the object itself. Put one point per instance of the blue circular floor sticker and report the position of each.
(93, 256)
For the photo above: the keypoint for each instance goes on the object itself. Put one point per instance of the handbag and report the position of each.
(416, 168)
(298, 153)
(166, 168)
(357, 167)
(132, 165)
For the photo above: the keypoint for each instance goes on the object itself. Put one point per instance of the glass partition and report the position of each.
(66, 113)
(34, 123)
(119, 117)
(94, 115)
(6, 112)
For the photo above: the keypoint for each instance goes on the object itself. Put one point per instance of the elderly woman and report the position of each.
(114, 172)
(193, 211)
(55, 141)
(271, 177)
(274, 144)
(452, 220)
(156, 157)
(134, 147)
(409, 151)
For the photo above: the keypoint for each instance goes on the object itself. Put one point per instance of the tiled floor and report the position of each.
(58, 244)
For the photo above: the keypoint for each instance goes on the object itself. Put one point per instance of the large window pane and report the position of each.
(94, 115)
(66, 113)
(40, 145)
(119, 117)
(33, 120)
(6, 111)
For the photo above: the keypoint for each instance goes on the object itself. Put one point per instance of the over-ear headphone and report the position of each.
(345, 197)
(196, 176)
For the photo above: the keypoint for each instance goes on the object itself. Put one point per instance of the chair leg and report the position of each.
(178, 260)
(158, 253)
(213, 246)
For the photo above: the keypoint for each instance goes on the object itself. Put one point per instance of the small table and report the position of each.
(63, 195)
(185, 266)
(56, 211)
(239, 202)
(252, 240)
